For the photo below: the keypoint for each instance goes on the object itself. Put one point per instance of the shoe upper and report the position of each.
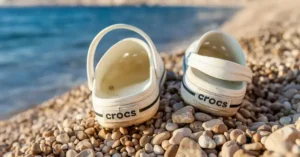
(216, 62)
(127, 78)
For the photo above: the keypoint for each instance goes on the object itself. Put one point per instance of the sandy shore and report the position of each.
(125, 2)
(266, 124)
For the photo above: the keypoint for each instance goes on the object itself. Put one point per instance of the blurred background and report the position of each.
(43, 44)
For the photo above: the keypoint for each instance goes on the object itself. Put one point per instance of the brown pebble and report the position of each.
(219, 129)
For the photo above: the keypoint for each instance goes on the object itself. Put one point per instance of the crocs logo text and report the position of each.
(212, 101)
(120, 115)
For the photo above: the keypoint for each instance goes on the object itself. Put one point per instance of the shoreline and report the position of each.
(188, 3)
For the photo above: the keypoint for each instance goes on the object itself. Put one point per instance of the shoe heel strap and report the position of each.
(219, 68)
(101, 34)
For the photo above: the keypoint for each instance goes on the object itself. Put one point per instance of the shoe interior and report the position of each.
(124, 70)
(220, 46)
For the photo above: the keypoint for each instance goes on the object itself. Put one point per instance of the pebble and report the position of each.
(229, 148)
(253, 146)
(177, 106)
(203, 117)
(241, 139)
(171, 126)
(130, 150)
(35, 149)
(206, 142)
(171, 151)
(184, 115)
(90, 131)
(86, 153)
(158, 150)
(71, 153)
(145, 139)
(286, 134)
(235, 133)
(63, 138)
(82, 145)
(179, 134)
(285, 120)
(219, 139)
(211, 123)
(149, 148)
(99, 154)
(196, 126)
(159, 138)
(143, 154)
(116, 135)
(189, 148)
(219, 129)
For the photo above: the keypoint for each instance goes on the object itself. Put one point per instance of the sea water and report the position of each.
(43, 49)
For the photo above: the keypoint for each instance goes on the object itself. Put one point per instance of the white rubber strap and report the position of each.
(100, 35)
(219, 68)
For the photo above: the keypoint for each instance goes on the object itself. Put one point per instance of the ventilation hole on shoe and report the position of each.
(111, 87)
(206, 43)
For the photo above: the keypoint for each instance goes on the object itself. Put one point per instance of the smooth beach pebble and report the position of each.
(71, 153)
(158, 150)
(86, 153)
(189, 147)
(63, 138)
(179, 134)
(202, 116)
(219, 129)
(145, 139)
(148, 148)
(171, 126)
(208, 125)
(235, 133)
(219, 139)
(159, 138)
(171, 151)
(184, 115)
(206, 142)
(229, 148)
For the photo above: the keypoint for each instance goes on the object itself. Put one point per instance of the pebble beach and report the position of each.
(267, 123)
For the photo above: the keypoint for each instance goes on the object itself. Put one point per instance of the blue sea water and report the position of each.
(43, 49)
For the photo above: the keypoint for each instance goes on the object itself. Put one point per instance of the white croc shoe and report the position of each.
(127, 80)
(215, 74)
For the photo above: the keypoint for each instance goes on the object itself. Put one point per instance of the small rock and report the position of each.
(149, 148)
(159, 138)
(285, 120)
(63, 138)
(206, 142)
(196, 126)
(253, 146)
(158, 150)
(35, 149)
(124, 131)
(81, 135)
(287, 105)
(219, 139)
(235, 133)
(229, 148)
(241, 139)
(130, 150)
(171, 151)
(210, 124)
(296, 149)
(219, 129)
(145, 139)
(179, 134)
(90, 131)
(189, 148)
(86, 153)
(71, 153)
(286, 134)
(171, 126)
(116, 135)
(82, 145)
(177, 106)
(203, 117)
(184, 115)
